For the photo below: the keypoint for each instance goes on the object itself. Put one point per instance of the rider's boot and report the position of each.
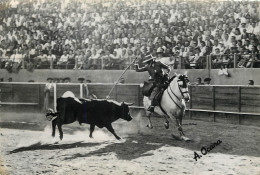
(150, 108)
(153, 104)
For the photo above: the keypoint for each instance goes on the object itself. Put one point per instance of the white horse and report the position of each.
(172, 103)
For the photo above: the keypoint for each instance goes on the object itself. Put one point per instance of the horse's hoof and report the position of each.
(166, 125)
(150, 127)
(186, 139)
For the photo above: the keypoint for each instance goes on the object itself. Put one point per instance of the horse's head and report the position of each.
(183, 82)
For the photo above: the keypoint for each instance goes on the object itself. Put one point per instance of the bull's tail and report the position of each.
(50, 114)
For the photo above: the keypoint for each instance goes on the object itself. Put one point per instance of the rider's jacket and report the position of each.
(155, 71)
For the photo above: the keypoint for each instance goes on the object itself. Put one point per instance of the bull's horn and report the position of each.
(128, 104)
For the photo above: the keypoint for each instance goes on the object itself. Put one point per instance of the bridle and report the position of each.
(184, 85)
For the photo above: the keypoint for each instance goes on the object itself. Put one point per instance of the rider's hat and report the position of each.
(159, 51)
(148, 58)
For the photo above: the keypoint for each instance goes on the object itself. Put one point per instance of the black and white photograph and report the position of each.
(129, 87)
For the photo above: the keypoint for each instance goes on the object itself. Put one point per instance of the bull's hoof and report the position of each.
(53, 135)
(61, 137)
(149, 126)
(91, 137)
(166, 125)
(118, 138)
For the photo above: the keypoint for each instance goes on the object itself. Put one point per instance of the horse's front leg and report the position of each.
(166, 124)
(179, 127)
(149, 125)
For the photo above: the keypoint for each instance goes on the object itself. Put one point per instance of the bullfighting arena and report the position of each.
(28, 148)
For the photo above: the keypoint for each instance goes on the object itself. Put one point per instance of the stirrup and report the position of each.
(150, 109)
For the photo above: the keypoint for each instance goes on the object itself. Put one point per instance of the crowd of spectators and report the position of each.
(80, 34)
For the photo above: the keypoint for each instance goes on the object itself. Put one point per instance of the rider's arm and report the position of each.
(164, 66)
(138, 69)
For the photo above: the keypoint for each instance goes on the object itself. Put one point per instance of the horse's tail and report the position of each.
(146, 102)
(50, 114)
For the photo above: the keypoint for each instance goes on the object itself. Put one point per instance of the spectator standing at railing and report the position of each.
(51, 58)
(63, 61)
(216, 58)
(71, 59)
(3, 59)
(198, 82)
(94, 60)
(251, 83)
(194, 60)
(207, 81)
(14, 63)
(42, 61)
(79, 57)
(245, 57)
(114, 61)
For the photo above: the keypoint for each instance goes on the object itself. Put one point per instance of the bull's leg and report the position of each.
(92, 127)
(110, 128)
(149, 125)
(54, 123)
(60, 130)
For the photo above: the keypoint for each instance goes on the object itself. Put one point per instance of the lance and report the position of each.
(119, 78)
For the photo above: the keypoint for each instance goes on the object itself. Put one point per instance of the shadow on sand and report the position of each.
(39, 146)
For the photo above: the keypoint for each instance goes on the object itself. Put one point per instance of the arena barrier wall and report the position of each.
(233, 104)
(238, 76)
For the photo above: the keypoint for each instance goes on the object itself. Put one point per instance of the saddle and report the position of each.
(158, 97)
(148, 88)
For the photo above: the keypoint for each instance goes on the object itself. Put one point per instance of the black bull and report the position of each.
(101, 113)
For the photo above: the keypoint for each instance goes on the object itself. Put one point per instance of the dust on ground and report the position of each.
(30, 149)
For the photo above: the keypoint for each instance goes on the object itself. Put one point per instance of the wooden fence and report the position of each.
(30, 97)
(232, 99)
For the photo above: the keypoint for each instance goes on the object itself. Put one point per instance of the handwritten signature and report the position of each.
(206, 150)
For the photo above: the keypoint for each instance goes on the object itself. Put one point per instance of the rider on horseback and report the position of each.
(157, 78)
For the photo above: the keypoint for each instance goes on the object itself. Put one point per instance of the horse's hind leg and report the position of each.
(149, 125)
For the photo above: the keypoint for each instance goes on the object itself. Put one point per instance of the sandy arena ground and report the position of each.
(29, 149)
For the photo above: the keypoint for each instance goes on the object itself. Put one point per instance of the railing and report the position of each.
(204, 62)
(32, 97)
(25, 63)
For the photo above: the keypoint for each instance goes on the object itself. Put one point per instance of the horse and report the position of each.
(172, 104)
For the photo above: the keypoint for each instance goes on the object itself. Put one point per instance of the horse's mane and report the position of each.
(170, 80)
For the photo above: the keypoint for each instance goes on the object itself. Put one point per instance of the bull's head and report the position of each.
(126, 113)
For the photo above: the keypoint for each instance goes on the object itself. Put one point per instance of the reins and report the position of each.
(182, 93)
